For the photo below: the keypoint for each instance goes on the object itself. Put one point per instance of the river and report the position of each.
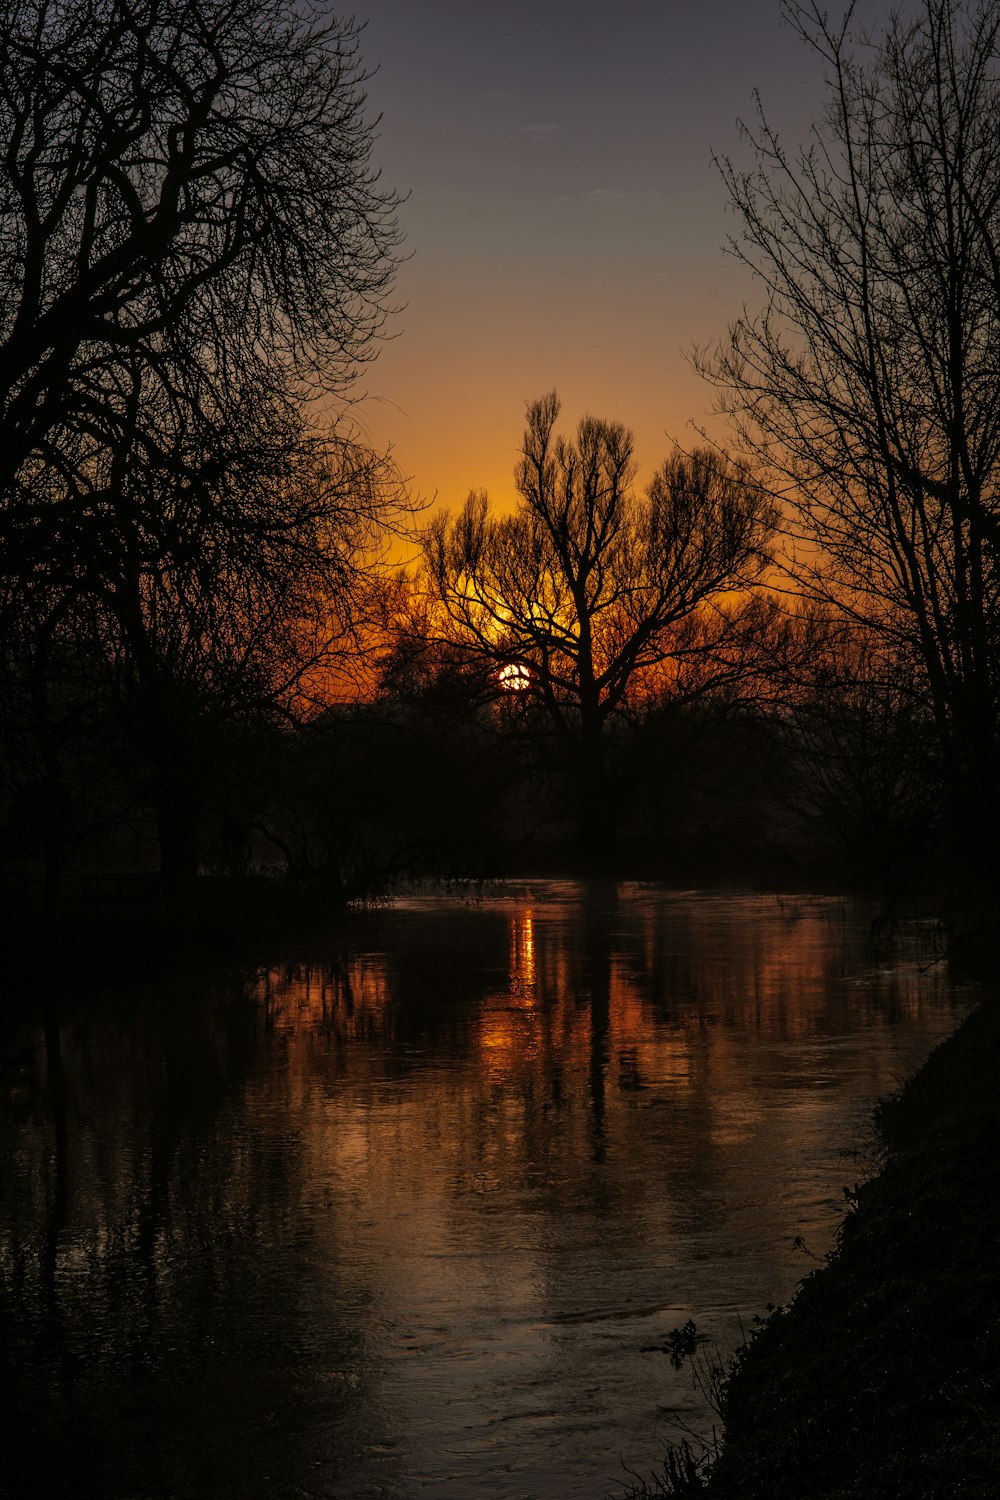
(410, 1213)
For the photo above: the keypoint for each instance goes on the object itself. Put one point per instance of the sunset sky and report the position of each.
(565, 223)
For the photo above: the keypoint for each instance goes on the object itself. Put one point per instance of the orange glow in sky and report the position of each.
(565, 223)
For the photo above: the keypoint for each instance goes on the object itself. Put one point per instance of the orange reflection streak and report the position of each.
(509, 1034)
(522, 956)
(409, 1114)
(636, 1010)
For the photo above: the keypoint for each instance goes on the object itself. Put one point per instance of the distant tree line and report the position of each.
(829, 692)
(771, 664)
(649, 698)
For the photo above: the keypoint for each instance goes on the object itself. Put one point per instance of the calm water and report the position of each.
(404, 1222)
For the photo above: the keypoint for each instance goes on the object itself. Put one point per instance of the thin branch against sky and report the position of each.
(565, 223)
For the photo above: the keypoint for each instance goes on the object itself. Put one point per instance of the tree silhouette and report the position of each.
(192, 243)
(238, 627)
(870, 382)
(857, 753)
(586, 588)
(188, 222)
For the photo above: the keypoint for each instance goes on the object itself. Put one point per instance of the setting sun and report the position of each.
(515, 677)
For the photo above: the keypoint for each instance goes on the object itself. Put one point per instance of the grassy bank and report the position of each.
(882, 1379)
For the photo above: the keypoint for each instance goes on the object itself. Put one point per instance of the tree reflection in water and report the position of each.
(405, 1219)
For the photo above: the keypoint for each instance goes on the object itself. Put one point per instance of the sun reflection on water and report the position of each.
(522, 954)
(462, 1173)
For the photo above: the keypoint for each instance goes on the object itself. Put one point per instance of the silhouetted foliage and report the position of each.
(869, 384)
(859, 760)
(193, 242)
(586, 590)
(242, 625)
(190, 233)
(371, 792)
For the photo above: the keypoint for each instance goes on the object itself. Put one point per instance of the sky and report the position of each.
(564, 221)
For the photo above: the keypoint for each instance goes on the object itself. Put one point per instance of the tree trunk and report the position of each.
(54, 804)
(178, 827)
(596, 813)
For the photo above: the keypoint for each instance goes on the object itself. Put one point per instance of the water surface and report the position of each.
(404, 1219)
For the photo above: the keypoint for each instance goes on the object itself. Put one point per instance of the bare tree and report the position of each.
(227, 626)
(587, 589)
(193, 243)
(188, 221)
(857, 753)
(870, 382)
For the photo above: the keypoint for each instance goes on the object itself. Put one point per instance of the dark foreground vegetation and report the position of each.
(880, 1379)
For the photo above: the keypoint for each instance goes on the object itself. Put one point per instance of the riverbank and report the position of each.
(882, 1377)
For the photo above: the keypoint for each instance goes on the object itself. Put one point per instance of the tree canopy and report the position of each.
(191, 231)
(869, 384)
(194, 243)
(587, 587)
